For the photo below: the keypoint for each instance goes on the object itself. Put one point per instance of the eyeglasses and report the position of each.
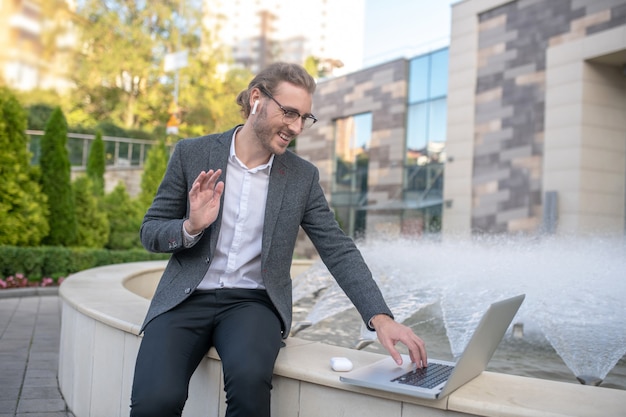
(290, 116)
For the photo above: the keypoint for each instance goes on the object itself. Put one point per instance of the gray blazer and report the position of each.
(295, 199)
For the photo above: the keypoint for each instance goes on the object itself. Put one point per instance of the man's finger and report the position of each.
(391, 348)
(417, 351)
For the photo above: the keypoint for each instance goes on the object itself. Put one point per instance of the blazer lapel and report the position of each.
(218, 159)
(275, 194)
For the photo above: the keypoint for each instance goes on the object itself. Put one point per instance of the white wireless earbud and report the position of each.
(256, 104)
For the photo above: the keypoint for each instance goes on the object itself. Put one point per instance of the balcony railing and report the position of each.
(120, 152)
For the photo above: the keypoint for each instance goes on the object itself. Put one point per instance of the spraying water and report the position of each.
(575, 290)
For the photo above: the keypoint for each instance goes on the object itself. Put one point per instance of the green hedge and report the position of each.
(55, 261)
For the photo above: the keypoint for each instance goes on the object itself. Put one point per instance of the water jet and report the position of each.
(575, 291)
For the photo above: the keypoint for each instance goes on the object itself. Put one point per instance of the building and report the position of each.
(532, 94)
(258, 32)
(36, 38)
(380, 145)
(536, 117)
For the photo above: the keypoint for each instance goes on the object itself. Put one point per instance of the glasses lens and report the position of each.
(290, 116)
(308, 122)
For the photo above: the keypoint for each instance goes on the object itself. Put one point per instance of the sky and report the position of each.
(404, 28)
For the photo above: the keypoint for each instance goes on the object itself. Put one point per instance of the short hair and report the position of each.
(273, 75)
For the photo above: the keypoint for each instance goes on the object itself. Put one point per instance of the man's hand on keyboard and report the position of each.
(390, 332)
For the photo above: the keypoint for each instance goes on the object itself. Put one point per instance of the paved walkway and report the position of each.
(30, 323)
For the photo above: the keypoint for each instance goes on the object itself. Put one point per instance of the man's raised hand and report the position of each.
(204, 201)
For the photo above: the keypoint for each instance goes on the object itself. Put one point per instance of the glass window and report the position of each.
(426, 130)
(425, 142)
(437, 120)
(439, 74)
(362, 131)
(21, 76)
(428, 76)
(418, 79)
(426, 115)
(352, 144)
(417, 124)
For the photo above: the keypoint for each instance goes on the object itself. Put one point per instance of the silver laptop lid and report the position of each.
(479, 350)
(484, 342)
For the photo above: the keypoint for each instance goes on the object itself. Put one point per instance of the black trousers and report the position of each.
(244, 327)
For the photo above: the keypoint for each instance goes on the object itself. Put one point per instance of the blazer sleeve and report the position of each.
(162, 227)
(341, 256)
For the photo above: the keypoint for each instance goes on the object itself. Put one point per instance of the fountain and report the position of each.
(575, 289)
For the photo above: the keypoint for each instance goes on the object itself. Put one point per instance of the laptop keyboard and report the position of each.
(428, 377)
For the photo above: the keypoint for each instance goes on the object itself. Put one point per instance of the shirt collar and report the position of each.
(233, 157)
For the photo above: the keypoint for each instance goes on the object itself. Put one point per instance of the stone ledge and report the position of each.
(99, 341)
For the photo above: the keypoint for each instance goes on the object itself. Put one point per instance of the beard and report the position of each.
(266, 133)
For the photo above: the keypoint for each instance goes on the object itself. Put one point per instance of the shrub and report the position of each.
(153, 172)
(56, 181)
(23, 210)
(125, 219)
(56, 261)
(92, 229)
(96, 164)
(38, 115)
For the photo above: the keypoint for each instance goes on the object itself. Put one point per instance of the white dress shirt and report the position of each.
(237, 259)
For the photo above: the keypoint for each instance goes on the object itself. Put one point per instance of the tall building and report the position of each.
(518, 127)
(537, 117)
(380, 145)
(35, 39)
(257, 32)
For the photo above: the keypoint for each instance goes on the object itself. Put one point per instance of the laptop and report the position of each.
(441, 378)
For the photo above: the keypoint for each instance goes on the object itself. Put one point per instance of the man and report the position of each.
(228, 210)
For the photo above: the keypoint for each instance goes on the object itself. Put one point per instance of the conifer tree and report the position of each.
(153, 171)
(124, 219)
(96, 164)
(56, 181)
(23, 210)
(92, 223)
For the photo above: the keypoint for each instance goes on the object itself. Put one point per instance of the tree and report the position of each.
(153, 172)
(321, 67)
(56, 181)
(125, 219)
(208, 97)
(96, 164)
(38, 115)
(135, 92)
(312, 66)
(92, 224)
(23, 210)
(118, 89)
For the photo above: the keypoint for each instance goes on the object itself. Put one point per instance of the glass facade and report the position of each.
(425, 143)
(349, 189)
(411, 199)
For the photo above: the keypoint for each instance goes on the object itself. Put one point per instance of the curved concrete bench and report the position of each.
(102, 311)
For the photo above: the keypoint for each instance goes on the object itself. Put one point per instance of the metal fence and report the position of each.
(120, 152)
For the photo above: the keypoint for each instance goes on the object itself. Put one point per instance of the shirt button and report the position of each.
(207, 259)
(187, 290)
